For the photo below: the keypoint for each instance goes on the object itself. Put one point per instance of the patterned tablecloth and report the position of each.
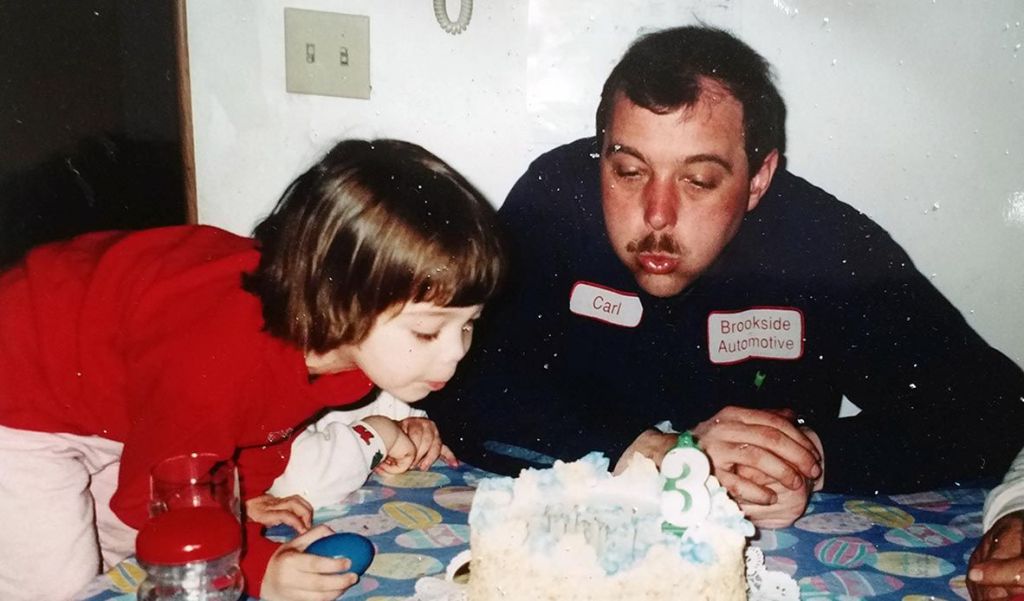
(907, 547)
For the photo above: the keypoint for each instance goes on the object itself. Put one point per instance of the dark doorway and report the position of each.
(90, 131)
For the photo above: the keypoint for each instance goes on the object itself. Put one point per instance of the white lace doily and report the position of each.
(762, 584)
(768, 585)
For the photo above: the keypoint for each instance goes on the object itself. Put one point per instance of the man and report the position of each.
(672, 269)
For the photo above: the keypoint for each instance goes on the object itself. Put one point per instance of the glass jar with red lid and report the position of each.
(191, 554)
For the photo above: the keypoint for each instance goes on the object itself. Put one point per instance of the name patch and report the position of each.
(604, 304)
(763, 333)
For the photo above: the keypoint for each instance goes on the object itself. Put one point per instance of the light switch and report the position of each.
(327, 53)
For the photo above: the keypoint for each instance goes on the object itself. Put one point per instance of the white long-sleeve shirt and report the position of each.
(1008, 496)
(333, 457)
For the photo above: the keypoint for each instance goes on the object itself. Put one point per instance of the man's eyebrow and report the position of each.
(615, 148)
(709, 158)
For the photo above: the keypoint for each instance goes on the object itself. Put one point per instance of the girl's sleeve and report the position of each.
(329, 460)
(389, 406)
(385, 404)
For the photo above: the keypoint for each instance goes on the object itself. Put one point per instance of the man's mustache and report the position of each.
(654, 242)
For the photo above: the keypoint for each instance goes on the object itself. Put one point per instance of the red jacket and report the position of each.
(148, 338)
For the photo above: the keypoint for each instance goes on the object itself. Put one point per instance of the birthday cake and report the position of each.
(576, 532)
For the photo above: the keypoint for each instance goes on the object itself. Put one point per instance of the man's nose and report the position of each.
(661, 206)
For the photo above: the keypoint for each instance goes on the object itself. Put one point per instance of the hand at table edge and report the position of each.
(787, 507)
(426, 436)
(996, 567)
(651, 443)
(268, 510)
(293, 575)
(766, 440)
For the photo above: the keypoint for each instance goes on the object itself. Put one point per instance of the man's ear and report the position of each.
(759, 183)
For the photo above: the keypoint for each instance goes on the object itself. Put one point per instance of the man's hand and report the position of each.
(764, 440)
(787, 507)
(652, 444)
(996, 567)
(269, 510)
(296, 576)
(427, 440)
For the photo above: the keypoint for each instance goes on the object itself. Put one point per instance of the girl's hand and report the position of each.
(386, 427)
(269, 510)
(296, 576)
(401, 455)
(427, 439)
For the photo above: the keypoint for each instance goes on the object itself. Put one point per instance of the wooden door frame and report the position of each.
(188, 155)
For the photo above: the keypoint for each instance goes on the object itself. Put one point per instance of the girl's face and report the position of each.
(412, 352)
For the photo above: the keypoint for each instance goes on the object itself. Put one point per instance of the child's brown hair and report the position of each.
(371, 226)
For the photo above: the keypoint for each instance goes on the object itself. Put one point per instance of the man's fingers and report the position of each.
(744, 490)
(777, 419)
(784, 412)
(771, 522)
(764, 447)
(728, 455)
(739, 425)
(754, 475)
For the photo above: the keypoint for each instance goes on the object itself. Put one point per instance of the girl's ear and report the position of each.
(759, 183)
(332, 361)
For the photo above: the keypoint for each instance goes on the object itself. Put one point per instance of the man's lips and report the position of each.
(658, 263)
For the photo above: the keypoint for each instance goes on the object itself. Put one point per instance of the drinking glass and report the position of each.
(194, 480)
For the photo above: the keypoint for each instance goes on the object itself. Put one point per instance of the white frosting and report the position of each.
(578, 514)
(576, 533)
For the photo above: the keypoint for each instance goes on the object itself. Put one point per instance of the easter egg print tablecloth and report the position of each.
(910, 547)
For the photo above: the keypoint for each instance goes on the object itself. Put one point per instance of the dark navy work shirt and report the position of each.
(812, 306)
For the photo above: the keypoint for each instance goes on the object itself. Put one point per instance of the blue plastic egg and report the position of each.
(358, 549)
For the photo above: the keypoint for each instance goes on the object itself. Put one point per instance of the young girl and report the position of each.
(120, 349)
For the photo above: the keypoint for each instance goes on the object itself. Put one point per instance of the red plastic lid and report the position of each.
(187, 534)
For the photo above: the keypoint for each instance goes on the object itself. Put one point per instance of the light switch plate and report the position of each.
(327, 53)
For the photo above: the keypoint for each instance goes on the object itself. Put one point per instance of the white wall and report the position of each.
(909, 110)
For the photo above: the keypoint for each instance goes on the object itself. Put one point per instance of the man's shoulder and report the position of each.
(792, 188)
(795, 201)
(566, 168)
(562, 183)
(807, 225)
(583, 151)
